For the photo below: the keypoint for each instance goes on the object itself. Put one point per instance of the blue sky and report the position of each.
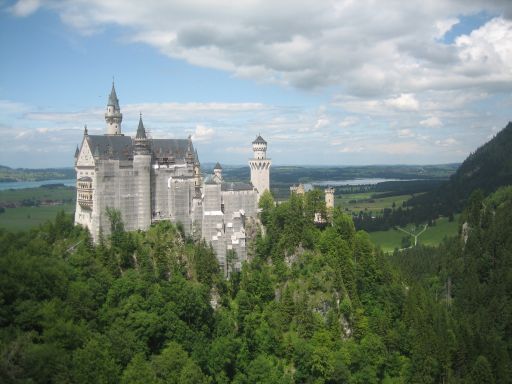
(336, 82)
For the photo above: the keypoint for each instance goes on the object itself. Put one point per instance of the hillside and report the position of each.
(313, 306)
(488, 168)
(471, 276)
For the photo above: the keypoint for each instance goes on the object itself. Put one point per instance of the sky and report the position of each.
(325, 82)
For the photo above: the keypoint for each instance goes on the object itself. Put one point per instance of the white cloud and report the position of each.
(486, 54)
(348, 121)
(395, 50)
(448, 142)
(445, 25)
(404, 102)
(322, 122)
(8, 107)
(164, 108)
(244, 150)
(351, 149)
(203, 133)
(402, 148)
(406, 132)
(67, 117)
(24, 8)
(391, 69)
(432, 122)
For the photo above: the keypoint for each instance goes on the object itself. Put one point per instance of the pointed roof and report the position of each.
(259, 140)
(112, 99)
(189, 148)
(217, 166)
(77, 152)
(141, 131)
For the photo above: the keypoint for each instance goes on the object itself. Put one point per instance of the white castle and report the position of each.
(148, 180)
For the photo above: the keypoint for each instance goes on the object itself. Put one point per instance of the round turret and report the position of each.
(113, 116)
(329, 197)
(217, 171)
(260, 166)
(259, 147)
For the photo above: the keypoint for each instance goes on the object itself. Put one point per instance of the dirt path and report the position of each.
(413, 235)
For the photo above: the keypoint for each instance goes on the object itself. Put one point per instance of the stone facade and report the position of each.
(329, 198)
(148, 180)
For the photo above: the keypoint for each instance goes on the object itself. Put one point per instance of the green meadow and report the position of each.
(24, 218)
(31, 210)
(433, 235)
(356, 202)
(59, 193)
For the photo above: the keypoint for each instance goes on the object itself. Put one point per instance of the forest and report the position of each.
(314, 305)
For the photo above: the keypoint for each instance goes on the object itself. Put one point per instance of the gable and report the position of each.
(85, 157)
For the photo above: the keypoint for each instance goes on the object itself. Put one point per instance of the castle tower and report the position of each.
(141, 177)
(260, 166)
(197, 173)
(113, 116)
(197, 208)
(217, 173)
(189, 156)
(329, 200)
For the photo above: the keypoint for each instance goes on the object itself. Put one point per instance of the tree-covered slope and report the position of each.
(488, 168)
(315, 305)
(472, 276)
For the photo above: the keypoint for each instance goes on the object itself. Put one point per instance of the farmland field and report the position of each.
(24, 218)
(433, 235)
(29, 207)
(357, 202)
(60, 193)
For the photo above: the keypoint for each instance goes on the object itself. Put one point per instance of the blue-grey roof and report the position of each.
(115, 147)
(236, 187)
(259, 140)
(112, 99)
(217, 166)
(141, 131)
(166, 147)
(119, 147)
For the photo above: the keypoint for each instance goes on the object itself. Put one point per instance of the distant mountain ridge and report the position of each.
(290, 174)
(488, 168)
(8, 174)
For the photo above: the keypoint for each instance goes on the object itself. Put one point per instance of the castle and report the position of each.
(148, 180)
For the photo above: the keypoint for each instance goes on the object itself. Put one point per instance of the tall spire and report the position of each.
(113, 116)
(112, 99)
(141, 140)
(141, 131)
(189, 156)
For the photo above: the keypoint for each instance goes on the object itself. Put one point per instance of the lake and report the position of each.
(35, 184)
(369, 181)
(72, 182)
